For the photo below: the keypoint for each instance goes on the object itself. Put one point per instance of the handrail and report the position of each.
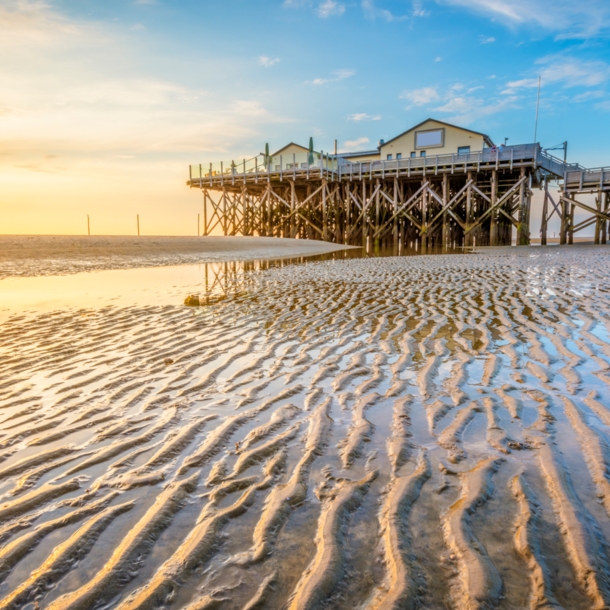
(337, 166)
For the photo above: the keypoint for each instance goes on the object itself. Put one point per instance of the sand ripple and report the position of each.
(424, 432)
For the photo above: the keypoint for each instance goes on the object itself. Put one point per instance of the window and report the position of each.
(413, 155)
(422, 153)
(389, 157)
(463, 150)
(277, 168)
(430, 138)
(304, 165)
(399, 155)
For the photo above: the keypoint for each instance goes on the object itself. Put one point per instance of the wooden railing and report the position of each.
(338, 168)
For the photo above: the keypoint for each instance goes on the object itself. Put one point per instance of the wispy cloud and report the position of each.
(567, 18)
(487, 39)
(330, 8)
(353, 145)
(372, 11)
(337, 75)
(589, 95)
(362, 116)
(466, 110)
(267, 62)
(421, 97)
(565, 71)
(418, 9)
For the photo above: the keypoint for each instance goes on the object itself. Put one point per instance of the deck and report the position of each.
(333, 168)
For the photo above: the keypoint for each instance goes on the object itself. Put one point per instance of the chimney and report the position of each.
(381, 143)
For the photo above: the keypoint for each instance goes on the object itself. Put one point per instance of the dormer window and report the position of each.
(389, 157)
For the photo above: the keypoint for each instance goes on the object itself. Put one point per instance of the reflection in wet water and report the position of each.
(374, 432)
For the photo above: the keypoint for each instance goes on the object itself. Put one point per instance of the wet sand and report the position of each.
(33, 255)
(416, 432)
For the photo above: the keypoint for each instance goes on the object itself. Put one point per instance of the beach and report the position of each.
(394, 432)
(34, 255)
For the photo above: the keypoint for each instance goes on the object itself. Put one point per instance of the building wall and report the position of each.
(454, 137)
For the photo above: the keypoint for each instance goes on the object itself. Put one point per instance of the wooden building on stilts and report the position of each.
(434, 187)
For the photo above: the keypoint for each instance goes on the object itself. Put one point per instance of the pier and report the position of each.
(438, 202)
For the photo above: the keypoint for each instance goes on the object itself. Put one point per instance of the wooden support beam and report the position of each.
(493, 227)
(446, 217)
(545, 220)
(523, 238)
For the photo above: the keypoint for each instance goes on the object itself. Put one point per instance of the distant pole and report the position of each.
(537, 109)
(88, 226)
(565, 151)
(138, 223)
(198, 224)
(335, 148)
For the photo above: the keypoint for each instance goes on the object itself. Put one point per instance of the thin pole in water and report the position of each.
(88, 226)
(198, 225)
(537, 109)
(138, 223)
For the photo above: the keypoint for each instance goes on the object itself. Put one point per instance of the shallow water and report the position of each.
(425, 432)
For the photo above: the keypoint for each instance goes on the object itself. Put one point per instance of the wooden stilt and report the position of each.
(545, 213)
(493, 228)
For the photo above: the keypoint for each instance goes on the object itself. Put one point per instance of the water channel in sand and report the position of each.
(418, 432)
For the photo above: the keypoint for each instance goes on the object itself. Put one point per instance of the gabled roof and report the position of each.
(487, 139)
(287, 145)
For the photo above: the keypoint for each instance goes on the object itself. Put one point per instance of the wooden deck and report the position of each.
(335, 169)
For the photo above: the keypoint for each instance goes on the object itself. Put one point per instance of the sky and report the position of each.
(104, 104)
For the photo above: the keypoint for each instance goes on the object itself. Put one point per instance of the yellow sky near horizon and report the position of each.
(86, 127)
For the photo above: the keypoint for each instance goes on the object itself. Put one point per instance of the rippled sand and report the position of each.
(422, 432)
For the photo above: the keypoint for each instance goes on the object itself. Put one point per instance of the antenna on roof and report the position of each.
(537, 108)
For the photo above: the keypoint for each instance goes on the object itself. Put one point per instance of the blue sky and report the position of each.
(104, 104)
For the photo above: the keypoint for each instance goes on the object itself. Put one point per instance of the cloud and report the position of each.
(330, 8)
(589, 95)
(371, 11)
(337, 75)
(487, 40)
(604, 106)
(465, 110)
(353, 145)
(567, 18)
(437, 59)
(362, 116)
(565, 71)
(342, 74)
(418, 10)
(267, 62)
(421, 97)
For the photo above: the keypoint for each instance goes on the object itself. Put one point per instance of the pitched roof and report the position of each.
(287, 145)
(359, 153)
(488, 140)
